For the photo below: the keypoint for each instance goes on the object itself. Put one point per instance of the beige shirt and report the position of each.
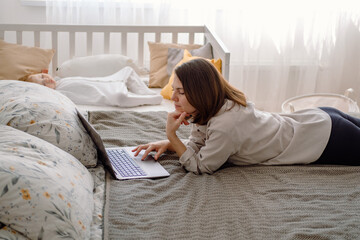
(246, 136)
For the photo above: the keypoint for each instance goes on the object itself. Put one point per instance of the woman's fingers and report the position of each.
(175, 119)
(149, 148)
(138, 149)
(147, 151)
(185, 122)
(160, 151)
(182, 118)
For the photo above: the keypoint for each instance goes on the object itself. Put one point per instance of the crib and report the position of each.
(187, 34)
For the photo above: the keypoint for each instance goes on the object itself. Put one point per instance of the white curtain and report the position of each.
(279, 48)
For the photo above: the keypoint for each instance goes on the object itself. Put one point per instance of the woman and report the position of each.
(226, 127)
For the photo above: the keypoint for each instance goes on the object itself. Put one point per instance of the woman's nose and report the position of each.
(173, 97)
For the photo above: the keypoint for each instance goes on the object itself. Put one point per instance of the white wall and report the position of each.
(12, 11)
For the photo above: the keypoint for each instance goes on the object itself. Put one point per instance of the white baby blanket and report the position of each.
(123, 89)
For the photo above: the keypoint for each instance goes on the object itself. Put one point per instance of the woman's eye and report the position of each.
(177, 91)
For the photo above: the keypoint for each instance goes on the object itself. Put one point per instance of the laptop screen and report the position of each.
(103, 157)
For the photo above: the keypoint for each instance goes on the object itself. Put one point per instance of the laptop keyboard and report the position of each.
(124, 163)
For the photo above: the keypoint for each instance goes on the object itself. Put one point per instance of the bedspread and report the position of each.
(252, 202)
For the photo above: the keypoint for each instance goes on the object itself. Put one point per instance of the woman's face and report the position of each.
(179, 98)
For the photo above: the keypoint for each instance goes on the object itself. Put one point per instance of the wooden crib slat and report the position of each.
(37, 38)
(72, 43)
(124, 43)
(191, 38)
(107, 42)
(174, 37)
(89, 41)
(157, 37)
(141, 49)
(54, 44)
(19, 37)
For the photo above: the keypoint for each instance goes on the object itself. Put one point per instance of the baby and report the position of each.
(123, 88)
(43, 79)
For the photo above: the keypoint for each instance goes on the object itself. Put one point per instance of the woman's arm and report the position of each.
(197, 156)
(208, 154)
(173, 143)
(174, 121)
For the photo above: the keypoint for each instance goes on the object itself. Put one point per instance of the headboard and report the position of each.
(63, 38)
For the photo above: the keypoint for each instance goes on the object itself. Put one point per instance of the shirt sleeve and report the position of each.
(207, 150)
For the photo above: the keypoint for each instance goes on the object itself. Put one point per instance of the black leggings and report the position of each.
(343, 147)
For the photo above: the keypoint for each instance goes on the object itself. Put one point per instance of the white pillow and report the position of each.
(97, 66)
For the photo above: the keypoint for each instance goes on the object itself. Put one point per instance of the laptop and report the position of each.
(121, 162)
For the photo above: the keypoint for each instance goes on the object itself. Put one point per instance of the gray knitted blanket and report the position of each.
(254, 202)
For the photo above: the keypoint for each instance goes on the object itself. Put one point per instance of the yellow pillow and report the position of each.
(167, 92)
(158, 61)
(18, 61)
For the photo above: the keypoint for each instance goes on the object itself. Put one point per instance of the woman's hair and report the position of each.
(206, 89)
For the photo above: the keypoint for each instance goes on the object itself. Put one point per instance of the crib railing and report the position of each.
(100, 39)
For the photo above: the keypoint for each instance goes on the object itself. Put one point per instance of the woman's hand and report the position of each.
(160, 147)
(174, 120)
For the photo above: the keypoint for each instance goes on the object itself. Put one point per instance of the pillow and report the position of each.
(176, 54)
(47, 114)
(167, 91)
(97, 66)
(158, 61)
(18, 61)
(45, 192)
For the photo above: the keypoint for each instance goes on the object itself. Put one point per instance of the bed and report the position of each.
(53, 186)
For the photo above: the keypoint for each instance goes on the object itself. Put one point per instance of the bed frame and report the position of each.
(16, 33)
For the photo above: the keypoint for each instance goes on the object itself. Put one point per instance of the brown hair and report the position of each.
(206, 89)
